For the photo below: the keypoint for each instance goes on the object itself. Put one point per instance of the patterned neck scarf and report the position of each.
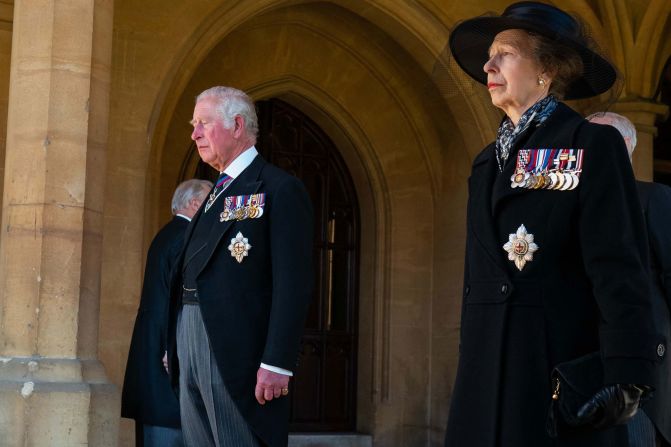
(507, 134)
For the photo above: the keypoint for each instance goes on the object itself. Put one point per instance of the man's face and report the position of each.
(216, 144)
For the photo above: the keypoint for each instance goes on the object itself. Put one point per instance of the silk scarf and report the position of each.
(508, 133)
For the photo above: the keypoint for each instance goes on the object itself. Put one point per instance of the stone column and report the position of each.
(53, 390)
(643, 113)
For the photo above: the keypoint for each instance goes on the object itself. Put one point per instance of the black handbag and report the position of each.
(573, 384)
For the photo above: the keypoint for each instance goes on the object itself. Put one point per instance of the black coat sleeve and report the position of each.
(614, 249)
(659, 232)
(291, 235)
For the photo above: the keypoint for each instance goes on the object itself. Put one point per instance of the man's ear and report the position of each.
(630, 150)
(239, 124)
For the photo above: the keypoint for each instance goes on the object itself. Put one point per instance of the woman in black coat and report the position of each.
(556, 246)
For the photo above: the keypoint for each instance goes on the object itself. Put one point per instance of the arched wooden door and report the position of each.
(323, 392)
(323, 396)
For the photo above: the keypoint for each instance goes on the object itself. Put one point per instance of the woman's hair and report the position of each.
(562, 62)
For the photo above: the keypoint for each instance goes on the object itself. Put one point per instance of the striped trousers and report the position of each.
(209, 415)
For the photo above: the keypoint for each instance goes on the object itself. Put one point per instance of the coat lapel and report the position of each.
(246, 183)
(480, 219)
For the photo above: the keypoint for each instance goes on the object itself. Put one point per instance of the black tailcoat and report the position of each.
(656, 201)
(147, 395)
(254, 311)
(586, 289)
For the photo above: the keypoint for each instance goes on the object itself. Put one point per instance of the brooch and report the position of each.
(239, 247)
(520, 247)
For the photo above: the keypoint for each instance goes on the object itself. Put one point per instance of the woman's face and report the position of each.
(513, 75)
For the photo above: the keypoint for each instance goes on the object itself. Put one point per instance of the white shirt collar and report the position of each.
(241, 162)
(183, 216)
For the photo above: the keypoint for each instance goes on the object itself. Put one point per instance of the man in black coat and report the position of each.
(656, 202)
(242, 289)
(147, 396)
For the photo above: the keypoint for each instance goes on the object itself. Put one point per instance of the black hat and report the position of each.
(471, 39)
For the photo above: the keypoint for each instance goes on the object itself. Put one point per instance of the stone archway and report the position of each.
(365, 82)
(379, 103)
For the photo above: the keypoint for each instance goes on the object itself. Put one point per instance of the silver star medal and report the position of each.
(520, 247)
(239, 247)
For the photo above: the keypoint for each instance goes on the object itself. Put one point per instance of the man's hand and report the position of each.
(165, 361)
(270, 385)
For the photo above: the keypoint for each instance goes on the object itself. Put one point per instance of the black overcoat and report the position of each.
(254, 311)
(656, 201)
(586, 289)
(147, 395)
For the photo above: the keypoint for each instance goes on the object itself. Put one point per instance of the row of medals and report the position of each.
(251, 211)
(557, 180)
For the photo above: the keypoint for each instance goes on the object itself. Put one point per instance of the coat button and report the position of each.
(467, 290)
(195, 294)
(661, 349)
(504, 289)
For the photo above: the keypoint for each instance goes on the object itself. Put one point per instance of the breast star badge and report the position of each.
(239, 247)
(520, 247)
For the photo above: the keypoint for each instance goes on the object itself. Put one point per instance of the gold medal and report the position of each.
(529, 182)
(240, 213)
(574, 180)
(517, 178)
(252, 211)
(560, 181)
(568, 180)
(551, 179)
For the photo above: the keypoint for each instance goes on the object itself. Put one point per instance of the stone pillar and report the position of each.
(643, 114)
(53, 390)
(6, 14)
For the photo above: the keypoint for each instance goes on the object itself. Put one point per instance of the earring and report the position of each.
(541, 81)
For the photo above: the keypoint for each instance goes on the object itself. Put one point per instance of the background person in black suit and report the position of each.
(147, 396)
(556, 261)
(656, 202)
(242, 289)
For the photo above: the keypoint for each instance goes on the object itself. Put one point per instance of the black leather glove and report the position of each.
(611, 405)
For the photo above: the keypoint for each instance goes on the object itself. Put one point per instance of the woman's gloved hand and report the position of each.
(612, 405)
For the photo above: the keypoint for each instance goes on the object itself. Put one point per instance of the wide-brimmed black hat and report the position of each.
(470, 41)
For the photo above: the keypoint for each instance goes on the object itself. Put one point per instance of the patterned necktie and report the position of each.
(222, 182)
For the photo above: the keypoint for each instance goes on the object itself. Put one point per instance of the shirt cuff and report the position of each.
(277, 370)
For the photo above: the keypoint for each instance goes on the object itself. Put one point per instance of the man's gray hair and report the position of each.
(621, 123)
(230, 103)
(187, 191)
